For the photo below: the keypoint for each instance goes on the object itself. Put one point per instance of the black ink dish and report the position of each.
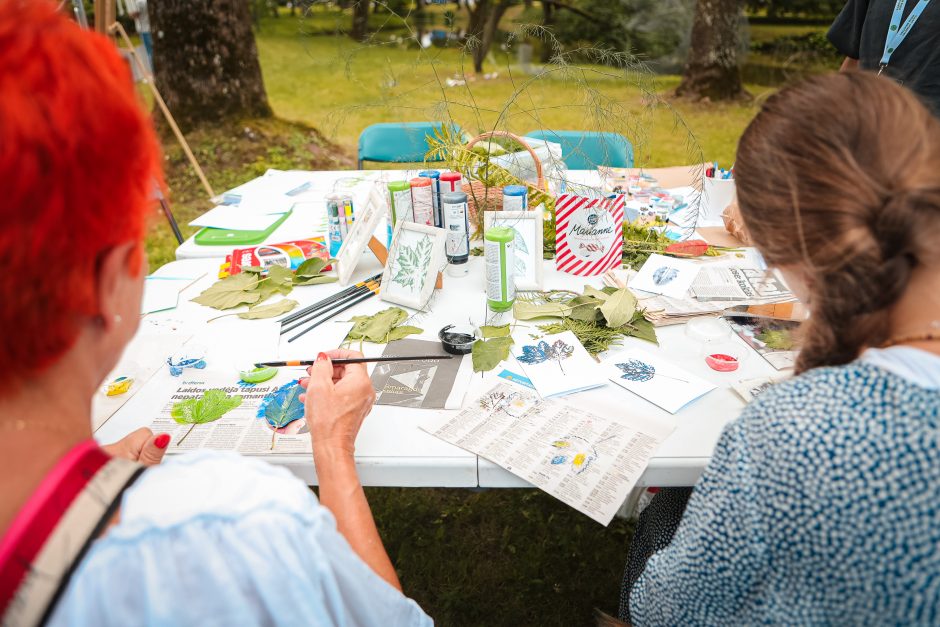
(458, 339)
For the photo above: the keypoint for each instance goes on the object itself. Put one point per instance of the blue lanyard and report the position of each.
(897, 32)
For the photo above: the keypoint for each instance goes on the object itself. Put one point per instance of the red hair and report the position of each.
(78, 164)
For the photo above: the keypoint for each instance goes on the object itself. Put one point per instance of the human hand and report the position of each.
(140, 446)
(337, 400)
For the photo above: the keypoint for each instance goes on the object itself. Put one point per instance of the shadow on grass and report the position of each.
(500, 557)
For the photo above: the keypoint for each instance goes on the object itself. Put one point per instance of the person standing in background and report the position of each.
(137, 9)
(899, 39)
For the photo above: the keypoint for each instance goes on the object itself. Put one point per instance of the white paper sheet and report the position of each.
(161, 293)
(236, 219)
(558, 364)
(655, 379)
(325, 337)
(585, 460)
(665, 275)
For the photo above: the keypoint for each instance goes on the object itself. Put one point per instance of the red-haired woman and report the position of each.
(89, 539)
(821, 505)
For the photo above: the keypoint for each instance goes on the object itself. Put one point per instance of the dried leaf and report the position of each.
(619, 308)
(596, 293)
(400, 333)
(376, 328)
(315, 280)
(278, 281)
(268, 311)
(212, 405)
(495, 331)
(487, 354)
(522, 310)
(231, 292)
(253, 269)
(312, 267)
(643, 329)
(689, 248)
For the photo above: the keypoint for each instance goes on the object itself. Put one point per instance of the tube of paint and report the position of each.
(454, 208)
(435, 177)
(500, 284)
(346, 206)
(399, 205)
(336, 222)
(422, 201)
(515, 198)
(451, 182)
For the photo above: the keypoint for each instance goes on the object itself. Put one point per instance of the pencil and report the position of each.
(352, 360)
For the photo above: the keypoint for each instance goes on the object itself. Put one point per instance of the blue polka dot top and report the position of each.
(821, 506)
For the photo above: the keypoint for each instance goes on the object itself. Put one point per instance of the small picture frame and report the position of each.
(414, 261)
(528, 263)
(356, 240)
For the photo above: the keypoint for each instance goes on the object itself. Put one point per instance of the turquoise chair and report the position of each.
(585, 150)
(397, 142)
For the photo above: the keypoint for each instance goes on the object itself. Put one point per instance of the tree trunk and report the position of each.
(360, 20)
(548, 21)
(205, 60)
(712, 70)
(484, 22)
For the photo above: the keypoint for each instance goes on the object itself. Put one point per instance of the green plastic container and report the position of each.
(399, 205)
(500, 284)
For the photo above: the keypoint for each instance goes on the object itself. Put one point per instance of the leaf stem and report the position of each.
(180, 443)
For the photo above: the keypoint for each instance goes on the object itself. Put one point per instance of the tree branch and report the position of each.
(573, 9)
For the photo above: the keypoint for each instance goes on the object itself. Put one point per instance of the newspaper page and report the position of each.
(586, 461)
(732, 283)
(240, 428)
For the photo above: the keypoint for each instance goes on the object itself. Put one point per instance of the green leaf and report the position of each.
(212, 405)
(619, 308)
(253, 269)
(278, 281)
(522, 310)
(487, 354)
(586, 312)
(491, 331)
(400, 333)
(315, 280)
(376, 328)
(231, 292)
(257, 375)
(260, 312)
(643, 329)
(312, 267)
(596, 293)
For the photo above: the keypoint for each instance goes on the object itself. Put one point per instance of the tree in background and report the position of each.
(713, 70)
(206, 61)
(484, 22)
(360, 20)
(825, 9)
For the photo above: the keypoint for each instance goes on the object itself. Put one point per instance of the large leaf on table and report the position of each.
(689, 248)
(522, 310)
(312, 267)
(231, 292)
(643, 329)
(489, 331)
(487, 354)
(260, 312)
(400, 333)
(376, 328)
(212, 405)
(619, 308)
(320, 279)
(283, 406)
(279, 281)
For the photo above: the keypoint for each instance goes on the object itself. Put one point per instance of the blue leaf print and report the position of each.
(664, 275)
(535, 354)
(283, 406)
(637, 371)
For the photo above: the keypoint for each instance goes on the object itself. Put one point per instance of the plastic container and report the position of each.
(422, 201)
(451, 182)
(500, 284)
(515, 198)
(435, 177)
(456, 223)
(458, 339)
(714, 343)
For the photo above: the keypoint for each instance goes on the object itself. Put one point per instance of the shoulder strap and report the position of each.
(58, 530)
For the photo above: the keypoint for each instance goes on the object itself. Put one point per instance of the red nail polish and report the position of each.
(322, 356)
(162, 441)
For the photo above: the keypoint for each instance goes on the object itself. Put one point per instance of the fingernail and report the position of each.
(162, 441)
(322, 356)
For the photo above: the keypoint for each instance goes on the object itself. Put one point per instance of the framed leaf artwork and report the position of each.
(528, 260)
(415, 258)
(367, 219)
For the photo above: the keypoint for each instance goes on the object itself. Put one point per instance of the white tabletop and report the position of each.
(391, 449)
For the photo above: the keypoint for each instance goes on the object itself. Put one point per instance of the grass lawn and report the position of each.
(496, 557)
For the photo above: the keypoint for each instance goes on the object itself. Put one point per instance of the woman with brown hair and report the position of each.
(821, 504)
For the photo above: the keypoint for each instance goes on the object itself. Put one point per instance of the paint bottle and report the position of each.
(498, 252)
(422, 201)
(399, 205)
(454, 207)
(515, 198)
(333, 209)
(451, 182)
(435, 177)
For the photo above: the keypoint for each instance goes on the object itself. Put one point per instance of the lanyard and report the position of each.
(897, 32)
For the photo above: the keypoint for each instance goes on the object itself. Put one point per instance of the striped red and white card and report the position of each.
(588, 234)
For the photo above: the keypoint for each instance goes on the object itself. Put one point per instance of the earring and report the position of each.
(117, 318)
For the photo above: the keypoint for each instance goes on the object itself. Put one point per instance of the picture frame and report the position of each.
(416, 257)
(528, 268)
(367, 220)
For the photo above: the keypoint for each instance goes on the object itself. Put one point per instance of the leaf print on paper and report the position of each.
(664, 275)
(640, 372)
(559, 351)
(411, 264)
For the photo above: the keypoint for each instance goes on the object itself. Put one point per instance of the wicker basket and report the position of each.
(482, 198)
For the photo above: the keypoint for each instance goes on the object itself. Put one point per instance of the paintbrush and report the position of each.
(351, 360)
